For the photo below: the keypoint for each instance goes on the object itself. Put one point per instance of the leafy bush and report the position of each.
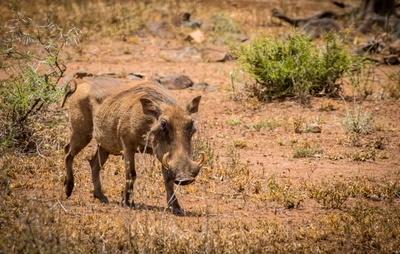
(295, 66)
(222, 23)
(30, 59)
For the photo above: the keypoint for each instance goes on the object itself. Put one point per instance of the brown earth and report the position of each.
(256, 155)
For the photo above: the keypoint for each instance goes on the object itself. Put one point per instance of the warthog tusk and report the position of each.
(164, 161)
(202, 159)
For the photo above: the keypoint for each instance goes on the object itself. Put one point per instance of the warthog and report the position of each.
(126, 119)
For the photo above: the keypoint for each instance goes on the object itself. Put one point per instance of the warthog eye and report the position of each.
(163, 124)
(191, 127)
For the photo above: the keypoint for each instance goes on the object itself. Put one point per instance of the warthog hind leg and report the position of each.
(96, 163)
(77, 143)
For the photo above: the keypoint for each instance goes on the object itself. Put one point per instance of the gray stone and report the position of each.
(176, 81)
(132, 76)
(197, 36)
(172, 55)
(183, 19)
(160, 29)
(214, 53)
(203, 86)
(394, 47)
(391, 59)
(82, 73)
(314, 128)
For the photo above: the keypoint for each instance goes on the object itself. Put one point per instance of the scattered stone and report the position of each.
(160, 43)
(314, 128)
(214, 53)
(203, 86)
(172, 55)
(183, 19)
(394, 47)
(197, 36)
(155, 76)
(243, 38)
(373, 46)
(133, 76)
(160, 29)
(108, 74)
(176, 81)
(82, 73)
(206, 27)
(391, 59)
(396, 33)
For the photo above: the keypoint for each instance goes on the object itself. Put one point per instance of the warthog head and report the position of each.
(171, 135)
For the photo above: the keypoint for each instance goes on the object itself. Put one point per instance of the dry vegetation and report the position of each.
(269, 184)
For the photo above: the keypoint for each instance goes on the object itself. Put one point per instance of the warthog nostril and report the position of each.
(184, 181)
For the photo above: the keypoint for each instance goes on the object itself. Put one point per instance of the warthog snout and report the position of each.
(184, 181)
(183, 175)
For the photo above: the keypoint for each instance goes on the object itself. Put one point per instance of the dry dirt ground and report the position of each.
(257, 155)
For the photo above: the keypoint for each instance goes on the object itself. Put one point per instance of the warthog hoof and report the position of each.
(178, 211)
(69, 186)
(103, 199)
(127, 203)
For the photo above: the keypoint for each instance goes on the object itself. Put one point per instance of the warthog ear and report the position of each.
(150, 108)
(193, 106)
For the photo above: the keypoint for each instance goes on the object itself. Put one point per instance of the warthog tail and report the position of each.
(69, 92)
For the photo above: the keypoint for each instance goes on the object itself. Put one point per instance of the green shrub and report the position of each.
(295, 66)
(222, 23)
(224, 30)
(30, 59)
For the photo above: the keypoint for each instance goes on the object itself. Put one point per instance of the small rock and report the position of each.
(176, 81)
(394, 47)
(243, 38)
(183, 19)
(156, 77)
(197, 36)
(391, 59)
(172, 55)
(214, 53)
(373, 46)
(396, 33)
(132, 76)
(82, 73)
(206, 27)
(314, 128)
(203, 86)
(160, 43)
(240, 37)
(160, 29)
(138, 74)
(107, 74)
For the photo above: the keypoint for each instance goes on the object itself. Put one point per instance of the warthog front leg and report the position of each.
(130, 177)
(172, 200)
(96, 163)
